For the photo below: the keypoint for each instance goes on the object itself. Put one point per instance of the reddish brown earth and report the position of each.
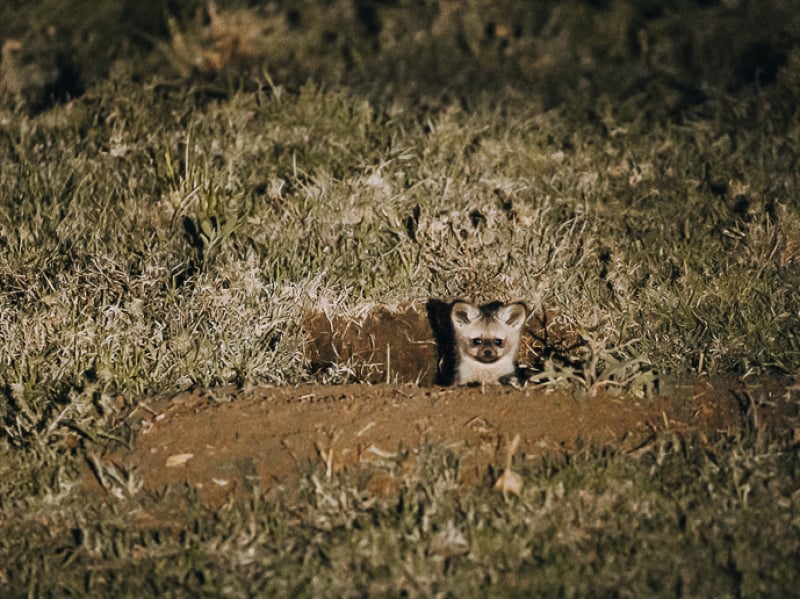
(264, 435)
(223, 442)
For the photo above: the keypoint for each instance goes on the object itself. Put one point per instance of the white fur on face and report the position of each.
(487, 339)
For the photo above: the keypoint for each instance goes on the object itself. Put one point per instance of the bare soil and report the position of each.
(223, 442)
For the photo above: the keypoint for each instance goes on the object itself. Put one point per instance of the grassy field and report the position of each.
(181, 184)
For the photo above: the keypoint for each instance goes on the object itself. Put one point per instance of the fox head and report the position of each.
(490, 332)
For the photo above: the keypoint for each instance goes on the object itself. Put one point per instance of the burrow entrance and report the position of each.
(406, 346)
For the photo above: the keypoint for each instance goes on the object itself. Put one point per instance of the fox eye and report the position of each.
(498, 342)
(477, 341)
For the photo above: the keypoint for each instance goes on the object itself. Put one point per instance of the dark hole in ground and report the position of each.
(409, 345)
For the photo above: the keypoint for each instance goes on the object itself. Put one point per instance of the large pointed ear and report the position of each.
(463, 313)
(514, 315)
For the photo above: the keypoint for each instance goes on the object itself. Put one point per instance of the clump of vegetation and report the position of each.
(680, 518)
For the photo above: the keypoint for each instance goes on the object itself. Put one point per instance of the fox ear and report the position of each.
(514, 315)
(463, 314)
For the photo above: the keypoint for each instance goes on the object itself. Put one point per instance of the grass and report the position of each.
(683, 518)
(180, 186)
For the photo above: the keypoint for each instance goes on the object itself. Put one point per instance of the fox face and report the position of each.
(487, 338)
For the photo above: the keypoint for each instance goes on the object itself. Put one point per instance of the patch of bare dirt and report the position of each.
(223, 442)
(394, 345)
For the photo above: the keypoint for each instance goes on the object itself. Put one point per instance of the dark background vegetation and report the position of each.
(664, 56)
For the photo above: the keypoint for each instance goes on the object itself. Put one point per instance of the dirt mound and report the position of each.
(222, 443)
(404, 346)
